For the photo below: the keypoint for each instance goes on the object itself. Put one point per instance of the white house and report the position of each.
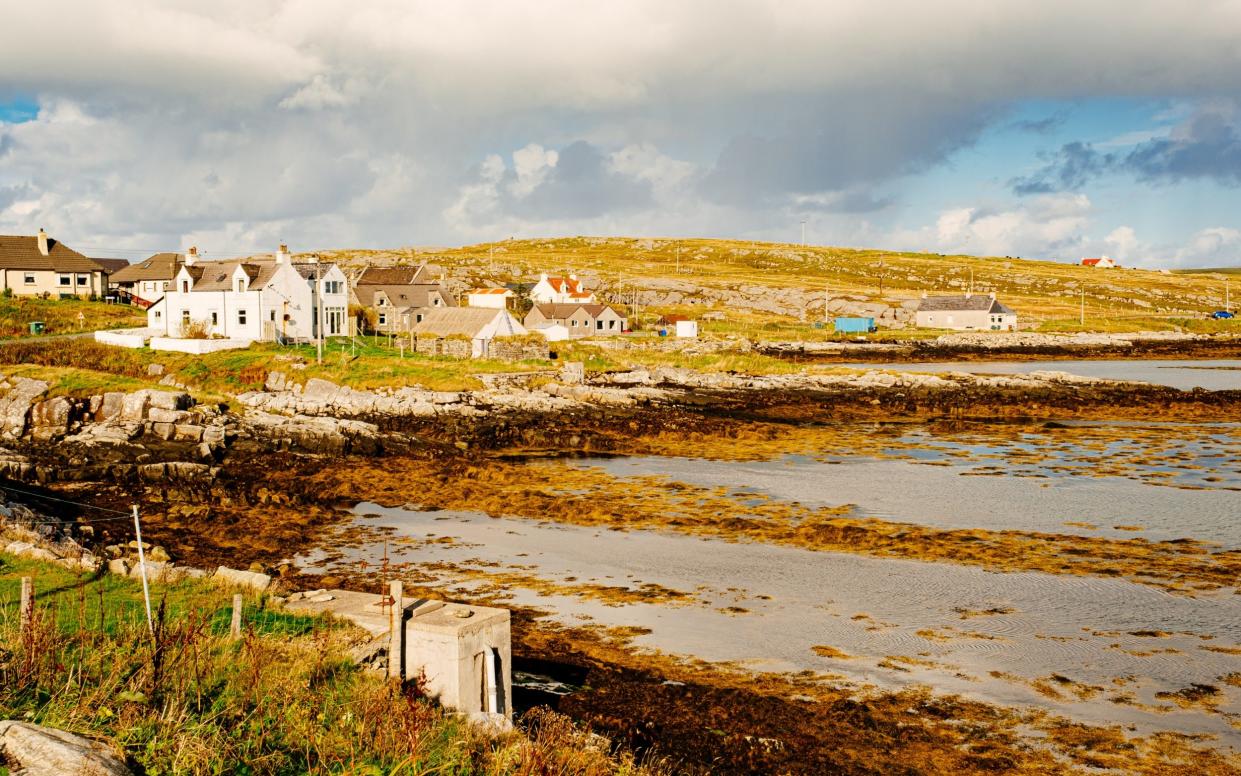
(968, 312)
(560, 290)
(497, 298)
(253, 299)
(480, 325)
(1100, 263)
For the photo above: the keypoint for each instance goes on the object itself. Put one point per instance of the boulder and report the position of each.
(34, 750)
(238, 578)
(15, 403)
(50, 419)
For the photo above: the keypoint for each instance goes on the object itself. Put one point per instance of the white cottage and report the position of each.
(560, 290)
(967, 312)
(253, 299)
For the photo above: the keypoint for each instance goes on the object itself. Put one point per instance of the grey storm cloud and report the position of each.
(331, 123)
(1208, 145)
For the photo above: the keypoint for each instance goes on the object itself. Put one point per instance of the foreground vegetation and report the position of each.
(61, 316)
(283, 699)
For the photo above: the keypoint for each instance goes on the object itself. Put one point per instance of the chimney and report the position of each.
(282, 255)
(542, 276)
(191, 256)
(42, 241)
(572, 276)
(993, 295)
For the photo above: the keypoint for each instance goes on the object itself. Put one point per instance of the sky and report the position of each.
(1051, 130)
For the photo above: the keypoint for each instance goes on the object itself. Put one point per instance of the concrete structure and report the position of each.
(1101, 263)
(560, 290)
(37, 265)
(146, 282)
(477, 326)
(552, 332)
(126, 338)
(463, 651)
(582, 320)
(854, 325)
(678, 325)
(399, 297)
(968, 312)
(253, 299)
(499, 298)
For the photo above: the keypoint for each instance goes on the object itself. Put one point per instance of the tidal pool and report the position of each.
(1210, 374)
(1095, 649)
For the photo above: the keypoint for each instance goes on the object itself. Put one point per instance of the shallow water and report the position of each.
(1210, 374)
(790, 600)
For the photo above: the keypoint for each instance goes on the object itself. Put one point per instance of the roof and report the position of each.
(112, 266)
(218, 275)
(962, 303)
(572, 286)
(466, 321)
(1091, 262)
(474, 291)
(22, 252)
(567, 310)
(391, 276)
(161, 266)
(307, 269)
(674, 318)
(416, 295)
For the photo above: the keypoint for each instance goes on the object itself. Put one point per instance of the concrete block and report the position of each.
(238, 578)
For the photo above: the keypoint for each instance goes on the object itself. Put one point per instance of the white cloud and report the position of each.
(1051, 226)
(1217, 246)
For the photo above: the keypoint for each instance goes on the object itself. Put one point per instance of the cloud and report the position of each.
(1215, 246)
(1075, 165)
(1050, 226)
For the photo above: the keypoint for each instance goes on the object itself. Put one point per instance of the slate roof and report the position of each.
(218, 275)
(307, 268)
(161, 266)
(416, 296)
(467, 321)
(112, 266)
(556, 311)
(963, 303)
(391, 276)
(22, 252)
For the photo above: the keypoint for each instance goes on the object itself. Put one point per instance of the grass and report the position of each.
(283, 699)
(61, 315)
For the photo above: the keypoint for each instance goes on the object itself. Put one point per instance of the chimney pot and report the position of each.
(43, 249)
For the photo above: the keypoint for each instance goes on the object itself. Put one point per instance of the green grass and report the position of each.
(61, 315)
(284, 699)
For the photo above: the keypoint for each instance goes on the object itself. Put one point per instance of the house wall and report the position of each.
(519, 348)
(335, 305)
(455, 347)
(494, 301)
(47, 281)
(960, 320)
(288, 293)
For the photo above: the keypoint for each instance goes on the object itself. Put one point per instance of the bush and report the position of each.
(195, 330)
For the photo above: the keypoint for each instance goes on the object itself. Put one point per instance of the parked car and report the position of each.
(1222, 314)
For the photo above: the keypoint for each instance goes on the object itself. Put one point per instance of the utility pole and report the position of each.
(142, 564)
(319, 309)
(678, 258)
(803, 233)
(1082, 314)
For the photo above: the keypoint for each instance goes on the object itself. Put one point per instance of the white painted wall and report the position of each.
(687, 328)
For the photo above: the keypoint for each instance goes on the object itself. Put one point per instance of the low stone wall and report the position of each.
(198, 346)
(519, 348)
(136, 338)
(455, 347)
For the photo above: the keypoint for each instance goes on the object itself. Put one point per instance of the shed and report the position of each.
(687, 328)
(855, 325)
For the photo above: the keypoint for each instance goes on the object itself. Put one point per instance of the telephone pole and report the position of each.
(319, 309)
(1082, 315)
(803, 233)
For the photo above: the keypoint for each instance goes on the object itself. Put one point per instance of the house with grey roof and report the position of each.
(581, 320)
(399, 297)
(38, 265)
(965, 312)
(254, 299)
(144, 283)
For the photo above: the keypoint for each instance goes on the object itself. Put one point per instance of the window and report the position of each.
(383, 319)
(215, 318)
(185, 286)
(419, 318)
(437, 301)
(83, 280)
(331, 287)
(241, 317)
(66, 280)
(599, 325)
(29, 278)
(165, 285)
(185, 317)
(273, 316)
(241, 285)
(157, 315)
(611, 324)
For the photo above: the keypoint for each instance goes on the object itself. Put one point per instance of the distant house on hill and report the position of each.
(145, 282)
(489, 297)
(399, 297)
(968, 312)
(464, 331)
(37, 265)
(560, 290)
(582, 320)
(1101, 263)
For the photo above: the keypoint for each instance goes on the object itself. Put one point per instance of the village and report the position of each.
(197, 305)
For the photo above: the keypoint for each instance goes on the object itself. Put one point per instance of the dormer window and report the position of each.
(185, 286)
(241, 285)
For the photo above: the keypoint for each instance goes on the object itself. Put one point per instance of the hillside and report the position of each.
(758, 282)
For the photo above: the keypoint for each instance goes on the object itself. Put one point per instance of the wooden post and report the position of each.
(396, 632)
(27, 610)
(235, 629)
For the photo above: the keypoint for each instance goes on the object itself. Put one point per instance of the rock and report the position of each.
(188, 432)
(155, 370)
(118, 566)
(213, 435)
(161, 415)
(159, 554)
(276, 381)
(238, 578)
(34, 750)
(15, 403)
(50, 419)
(163, 430)
(573, 373)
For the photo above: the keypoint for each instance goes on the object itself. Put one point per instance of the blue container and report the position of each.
(855, 325)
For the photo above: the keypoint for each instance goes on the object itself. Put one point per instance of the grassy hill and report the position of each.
(792, 281)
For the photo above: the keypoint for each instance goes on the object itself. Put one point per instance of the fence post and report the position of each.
(27, 609)
(396, 632)
(235, 628)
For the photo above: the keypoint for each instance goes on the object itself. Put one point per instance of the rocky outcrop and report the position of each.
(34, 750)
(17, 395)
